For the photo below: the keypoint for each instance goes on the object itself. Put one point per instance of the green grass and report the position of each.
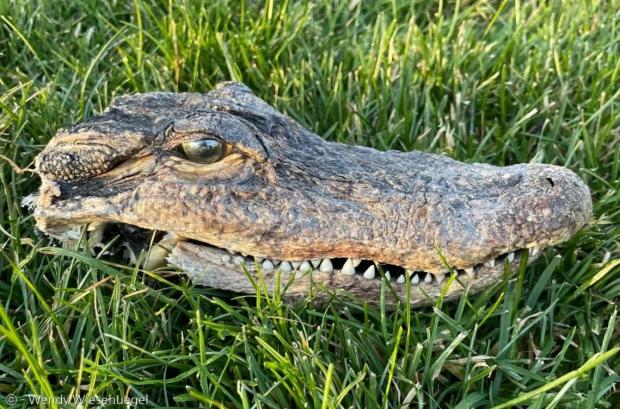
(490, 81)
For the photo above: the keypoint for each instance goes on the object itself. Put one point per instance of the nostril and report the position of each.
(551, 182)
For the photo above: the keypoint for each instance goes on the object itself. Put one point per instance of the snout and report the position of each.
(554, 202)
(515, 207)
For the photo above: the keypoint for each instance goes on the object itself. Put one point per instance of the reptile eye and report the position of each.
(207, 150)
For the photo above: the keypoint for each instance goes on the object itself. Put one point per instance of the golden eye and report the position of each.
(207, 150)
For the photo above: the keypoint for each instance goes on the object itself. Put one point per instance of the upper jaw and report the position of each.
(214, 266)
(526, 225)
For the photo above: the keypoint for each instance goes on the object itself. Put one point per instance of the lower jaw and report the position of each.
(367, 281)
(213, 267)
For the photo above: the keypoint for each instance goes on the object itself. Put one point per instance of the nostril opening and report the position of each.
(551, 182)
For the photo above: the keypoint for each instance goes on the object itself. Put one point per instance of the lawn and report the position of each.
(480, 81)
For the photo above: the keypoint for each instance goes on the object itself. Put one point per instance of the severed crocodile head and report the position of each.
(237, 189)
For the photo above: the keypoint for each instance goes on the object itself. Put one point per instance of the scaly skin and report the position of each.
(283, 193)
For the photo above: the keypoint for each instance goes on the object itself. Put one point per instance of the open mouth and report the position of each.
(364, 269)
(201, 260)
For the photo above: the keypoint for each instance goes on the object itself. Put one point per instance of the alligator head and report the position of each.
(242, 190)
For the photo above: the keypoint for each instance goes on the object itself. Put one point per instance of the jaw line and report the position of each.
(214, 267)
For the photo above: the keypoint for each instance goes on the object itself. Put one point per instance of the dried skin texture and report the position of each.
(286, 194)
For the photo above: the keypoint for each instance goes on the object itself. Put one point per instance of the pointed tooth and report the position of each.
(238, 260)
(470, 272)
(428, 278)
(326, 266)
(227, 258)
(129, 254)
(295, 264)
(315, 262)
(348, 268)
(95, 235)
(286, 267)
(535, 251)
(510, 257)
(490, 263)
(356, 261)
(388, 276)
(305, 266)
(415, 279)
(94, 226)
(401, 279)
(267, 265)
(156, 257)
(370, 272)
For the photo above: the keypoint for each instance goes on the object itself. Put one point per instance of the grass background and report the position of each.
(491, 81)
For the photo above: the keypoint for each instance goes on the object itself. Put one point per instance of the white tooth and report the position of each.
(370, 272)
(415, 279)
(305, 266)
(356, 261)
(470, 272)
(534, 251)
(267, 265)
(440, 278)
(295, 264)
(388, 276)
(238, 260)
(326, 266)
(401, 279)
(315, 262)
(286, 267)
(129, 254)
(490, 263)
(156, 257)
(226, 258)
(348, 268)
(510, 257)
(428, 278)
(95, 226)
(95, 236)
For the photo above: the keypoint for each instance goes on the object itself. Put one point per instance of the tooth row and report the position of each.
(349, 267)
(534, 252)
(326, 266)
